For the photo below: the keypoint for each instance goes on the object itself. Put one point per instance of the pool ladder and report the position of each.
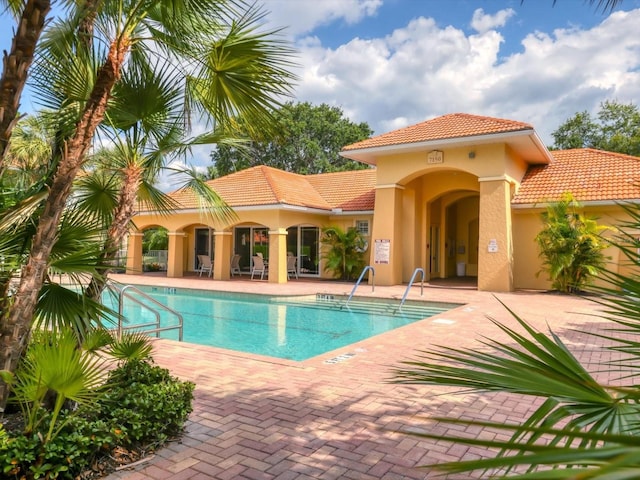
(123, 291)
(373, 282)
(406, 292)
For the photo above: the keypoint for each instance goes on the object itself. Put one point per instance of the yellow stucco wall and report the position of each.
(495, 253)
(488, 161)
(419, 196)
(527, 262)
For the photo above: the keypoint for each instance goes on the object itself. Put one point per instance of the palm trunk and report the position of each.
(14, 331)
(117, 231)
(16, 67)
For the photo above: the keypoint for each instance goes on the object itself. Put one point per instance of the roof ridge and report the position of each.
(341, 172)
(270, 173)
(596, 151)
(499, 119)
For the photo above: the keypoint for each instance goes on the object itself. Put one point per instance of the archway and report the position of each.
(155, 244)
(451, 219)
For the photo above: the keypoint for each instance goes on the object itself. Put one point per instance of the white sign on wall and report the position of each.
(493, 246)
(381, 251)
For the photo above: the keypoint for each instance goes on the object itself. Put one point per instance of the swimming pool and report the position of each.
(294, 328)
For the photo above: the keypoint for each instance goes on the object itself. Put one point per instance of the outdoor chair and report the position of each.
(291, 266)
(206, 265)
(258, 267)
(235, 265)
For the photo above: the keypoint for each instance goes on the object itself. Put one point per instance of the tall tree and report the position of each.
(31, 17)
(225, 64)
(616, 129)
(308, 140)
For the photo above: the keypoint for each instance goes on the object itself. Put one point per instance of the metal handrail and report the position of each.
(406, 292)
(373, 282)
(124, 292)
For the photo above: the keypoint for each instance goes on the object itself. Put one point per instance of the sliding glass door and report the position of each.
(204, 244)
(302, 242)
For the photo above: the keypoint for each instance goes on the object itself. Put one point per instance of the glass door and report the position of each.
(261, 242)
(242, 247)
(204, 244)
(250, 241)
(434, 254)
(309, 253)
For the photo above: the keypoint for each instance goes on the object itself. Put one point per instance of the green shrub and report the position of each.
(145, 402)
(143, 405)
(67, 454)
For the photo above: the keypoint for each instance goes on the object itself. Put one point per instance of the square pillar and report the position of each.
(175, 260)
(222, 255)
(278, 255)
(134, 253)
(386, 239)
(495, 251)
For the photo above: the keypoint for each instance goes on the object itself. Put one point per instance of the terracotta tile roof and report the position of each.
(262, 186)
(454, 125)
(350, 191)
(588, 174)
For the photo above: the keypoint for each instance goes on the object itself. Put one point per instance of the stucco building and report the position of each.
(458, 194)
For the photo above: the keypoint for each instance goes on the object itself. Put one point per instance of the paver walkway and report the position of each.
(262, 418)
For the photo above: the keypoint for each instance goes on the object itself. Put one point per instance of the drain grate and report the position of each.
(340, 358)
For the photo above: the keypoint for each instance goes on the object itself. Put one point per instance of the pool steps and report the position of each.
(408, 310)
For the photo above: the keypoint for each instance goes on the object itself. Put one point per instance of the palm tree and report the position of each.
(582, 428)
(224, 64)
(29, 155)
(571, 246)
(344, 252)
(31, 16)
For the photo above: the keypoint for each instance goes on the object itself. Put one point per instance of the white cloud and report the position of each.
(300, 17)
(481, 22)
(423, 70)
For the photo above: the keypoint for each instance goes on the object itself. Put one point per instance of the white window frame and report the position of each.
(362, 223)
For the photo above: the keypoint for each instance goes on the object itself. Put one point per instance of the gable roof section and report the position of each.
(589, 175)
(454, 125)
(267, 186)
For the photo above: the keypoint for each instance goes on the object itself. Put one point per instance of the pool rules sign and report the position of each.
(381, 251)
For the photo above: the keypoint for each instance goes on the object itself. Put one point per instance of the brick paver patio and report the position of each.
(263, 418)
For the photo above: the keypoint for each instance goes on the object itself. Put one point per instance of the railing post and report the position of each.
(373, 282)
(122, 292)
(406, 292)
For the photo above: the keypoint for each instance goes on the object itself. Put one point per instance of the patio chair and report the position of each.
(235, 265)
(258, 267)
(206, 265)
(291, 266)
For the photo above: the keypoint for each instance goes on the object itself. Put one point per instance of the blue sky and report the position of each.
(393, 63)
(529, 16)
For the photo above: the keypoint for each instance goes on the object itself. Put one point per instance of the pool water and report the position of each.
(294, 328)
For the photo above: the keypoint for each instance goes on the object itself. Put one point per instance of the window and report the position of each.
(363, 227)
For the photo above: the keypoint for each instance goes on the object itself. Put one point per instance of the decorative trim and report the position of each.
(390, 185)
(504, 178)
